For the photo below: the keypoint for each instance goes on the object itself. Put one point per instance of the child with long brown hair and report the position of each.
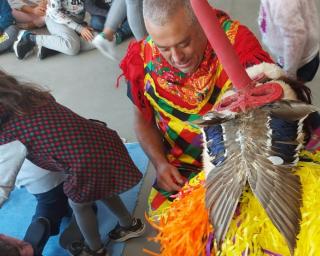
(96, 163)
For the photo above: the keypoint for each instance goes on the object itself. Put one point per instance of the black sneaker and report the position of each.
(79, 249)
(23, 47)
(44, 52)
(121, 234)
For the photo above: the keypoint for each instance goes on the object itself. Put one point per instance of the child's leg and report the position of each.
(88, 224)
(8, 37)
(115, 17)
(62, 39)
(97, 22)
(135, 18)
(37, 235)
(52, 205)
(117, 207)
(22, 17)
(128, 226)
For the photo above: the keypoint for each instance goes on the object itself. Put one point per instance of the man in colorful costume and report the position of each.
(174, 78)
(169, 97)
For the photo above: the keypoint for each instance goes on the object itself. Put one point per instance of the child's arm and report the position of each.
(12, 156)
(59, 15)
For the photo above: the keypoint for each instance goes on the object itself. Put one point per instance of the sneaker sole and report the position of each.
(131, 235)
(15, 44)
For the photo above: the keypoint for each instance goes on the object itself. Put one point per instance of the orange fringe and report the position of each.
(186, 221)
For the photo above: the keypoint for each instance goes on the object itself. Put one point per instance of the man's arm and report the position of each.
(12, 156)
(168, 177)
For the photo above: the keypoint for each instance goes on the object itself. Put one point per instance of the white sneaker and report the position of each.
(106, 47)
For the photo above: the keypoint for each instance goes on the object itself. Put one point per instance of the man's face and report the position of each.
(182, 44)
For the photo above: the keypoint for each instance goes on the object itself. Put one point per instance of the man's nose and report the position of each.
(177, 55)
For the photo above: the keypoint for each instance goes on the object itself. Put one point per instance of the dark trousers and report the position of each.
(52, 205)
(307, 72)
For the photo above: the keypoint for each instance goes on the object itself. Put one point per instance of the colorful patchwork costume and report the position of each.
(174, 99)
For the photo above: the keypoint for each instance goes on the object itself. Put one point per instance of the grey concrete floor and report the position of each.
(86, 84)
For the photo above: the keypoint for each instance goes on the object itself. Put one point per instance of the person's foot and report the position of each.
(121, 234)
(23, 47)
(44, 52)
(106, 47)
(79, 249)
(123, 33)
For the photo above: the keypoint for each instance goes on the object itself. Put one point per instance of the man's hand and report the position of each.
(87, 34)
(169, 178)
(40, 10)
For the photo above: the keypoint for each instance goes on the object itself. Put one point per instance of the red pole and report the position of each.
(220, 43)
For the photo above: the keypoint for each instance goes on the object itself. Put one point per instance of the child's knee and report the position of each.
(72, 46)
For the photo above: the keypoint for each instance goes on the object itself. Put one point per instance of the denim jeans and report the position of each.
(123, 32)
(97, 22)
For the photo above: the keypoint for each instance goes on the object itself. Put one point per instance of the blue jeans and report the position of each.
(52, 205)
(123, 32)
(97, 22)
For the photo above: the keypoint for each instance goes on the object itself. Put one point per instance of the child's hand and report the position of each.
(87, 34)
(40, 10)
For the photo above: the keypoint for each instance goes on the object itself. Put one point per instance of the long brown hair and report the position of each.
(20, 98)
(302, 92)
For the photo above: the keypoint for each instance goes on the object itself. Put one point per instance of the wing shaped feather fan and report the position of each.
(259, 147)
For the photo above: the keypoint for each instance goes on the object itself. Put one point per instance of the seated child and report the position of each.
(69, 34)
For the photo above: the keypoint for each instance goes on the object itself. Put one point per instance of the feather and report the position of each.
(259, 147)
